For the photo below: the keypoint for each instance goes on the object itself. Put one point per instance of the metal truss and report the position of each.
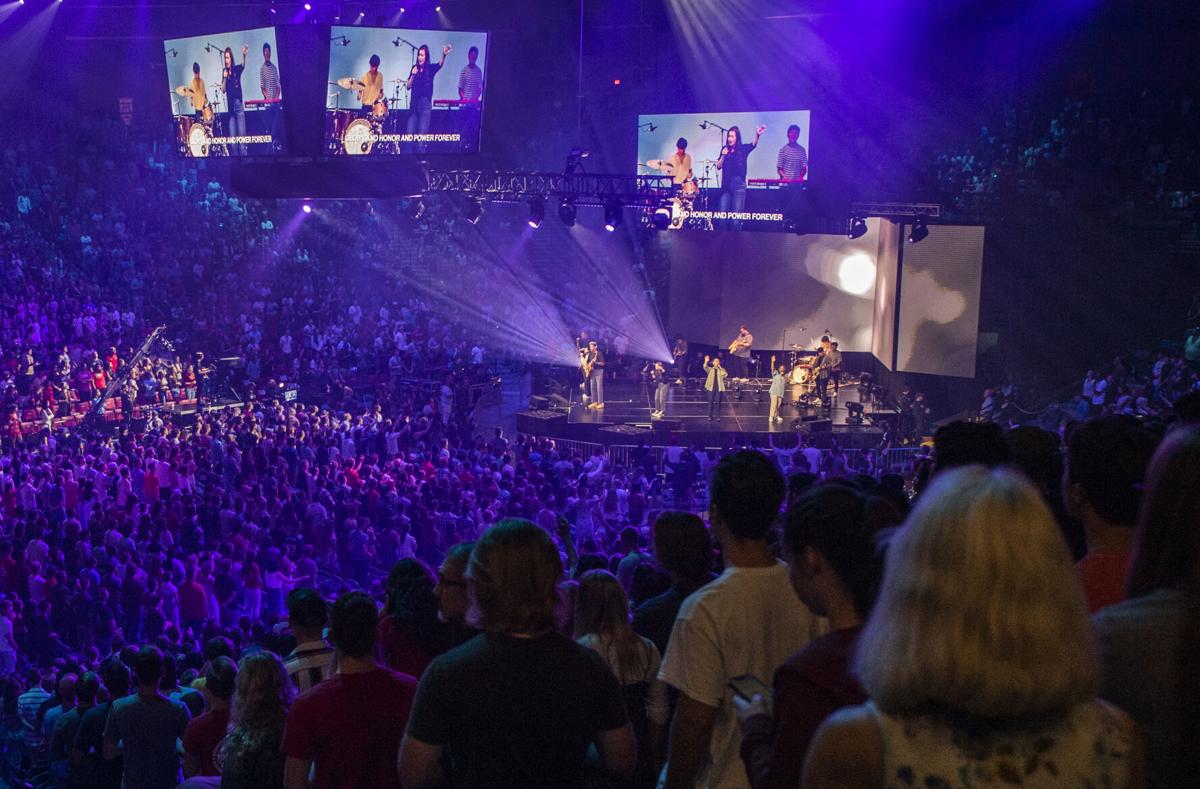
(898, 210)
(582, 188)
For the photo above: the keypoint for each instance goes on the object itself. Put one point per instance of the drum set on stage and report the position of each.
(195, 132)
(355, 132)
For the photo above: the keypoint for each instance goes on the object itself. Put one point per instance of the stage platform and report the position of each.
(625, 417)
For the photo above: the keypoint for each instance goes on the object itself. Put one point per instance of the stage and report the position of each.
(625, 417)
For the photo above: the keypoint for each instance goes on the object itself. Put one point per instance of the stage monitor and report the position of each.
(777, 160)
(226, 95)
(402, 91)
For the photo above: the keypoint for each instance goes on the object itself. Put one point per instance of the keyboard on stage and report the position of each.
(261, 102)
(774, 182)
(455, 104)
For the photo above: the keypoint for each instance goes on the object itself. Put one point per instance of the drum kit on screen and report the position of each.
(688, 197)
(195, 132)
(355, 132)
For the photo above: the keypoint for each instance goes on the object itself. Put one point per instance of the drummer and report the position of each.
(199, 96)
(678, 165)
(372, 86)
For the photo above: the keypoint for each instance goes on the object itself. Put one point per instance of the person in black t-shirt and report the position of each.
(420, 82)
(519, 704)
(732, 164)
(231, 82)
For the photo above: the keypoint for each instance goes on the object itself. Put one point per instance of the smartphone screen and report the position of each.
(747, 685)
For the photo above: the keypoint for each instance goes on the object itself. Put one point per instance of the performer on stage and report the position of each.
(373, 80)
(715, 385)
(778, 389)
(470, 88)
(822, 367)
(231, 81)
(658, 378)
(739, 351)
(593, 368)
(199, 95)
(732, 164)
(680, 352)
(268, 85)
(420, 82)
(835, 367)
(678, 165)
(792, 162)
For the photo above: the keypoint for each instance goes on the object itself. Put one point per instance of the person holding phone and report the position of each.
(833, 568)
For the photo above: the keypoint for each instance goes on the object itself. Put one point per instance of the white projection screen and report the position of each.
(787, 288)
(939, 302)
(883, 324)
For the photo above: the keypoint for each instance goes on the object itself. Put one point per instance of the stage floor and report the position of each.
(744, 411)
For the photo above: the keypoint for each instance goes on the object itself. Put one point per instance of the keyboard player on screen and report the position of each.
(470, 89)
(792, 162)
(268, 84)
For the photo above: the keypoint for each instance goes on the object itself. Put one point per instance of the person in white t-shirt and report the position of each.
(746, 622)
(8, 646)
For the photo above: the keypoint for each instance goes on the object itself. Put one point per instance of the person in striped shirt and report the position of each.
(268, 84)
(470, 88)
(792, 162)
(312, 661)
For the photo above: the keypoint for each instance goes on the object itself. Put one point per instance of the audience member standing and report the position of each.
(978, 656)
(205, 732)
(89, 764)
(145, 728)
(251, 756)
(1148, 642)
(348, 727)
(684, 549)
(519, 704)
(313, 659)
(748, 621)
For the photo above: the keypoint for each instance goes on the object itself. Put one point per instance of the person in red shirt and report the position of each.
(205, 732)
(1106, 464)
(193, 602)
(349, 726)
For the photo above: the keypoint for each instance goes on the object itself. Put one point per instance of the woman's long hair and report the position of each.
(263, 695)
(602, 609)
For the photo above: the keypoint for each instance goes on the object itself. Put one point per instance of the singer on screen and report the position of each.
(420, 82)
(231, 81)
(732, 164)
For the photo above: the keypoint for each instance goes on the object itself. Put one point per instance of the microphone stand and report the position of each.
(397, 41)
(706, 123)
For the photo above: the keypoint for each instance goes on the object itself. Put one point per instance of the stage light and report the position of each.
(918, 232)
(537, 211)
(858, 227)
(307, 208)
(474, 208)
(308, 6)
(612, 215)
(567, 211)
(856, 274)
(416, 209)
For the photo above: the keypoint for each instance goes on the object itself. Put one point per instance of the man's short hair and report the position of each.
(266, 46)
(217, 646)
(514, 574)
(747, 490)
(306, 608)
(681, 143)
(962, 443)
(116, 677)
(458, 556)
(1108, 459)
(195, 68)
(374, 60)
(88, 687)
(795, 127)
(354, 624)
(473, 49)
(148, 666)
(682, 545)
(221, 677)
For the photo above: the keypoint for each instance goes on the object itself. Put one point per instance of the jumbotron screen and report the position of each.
(712, 150)
(403, 91)
(225, 92)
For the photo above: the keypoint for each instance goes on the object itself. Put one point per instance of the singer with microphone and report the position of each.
(231, 81)
(732, 164)
(420, 82)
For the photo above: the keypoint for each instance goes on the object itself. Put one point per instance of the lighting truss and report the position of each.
(898, 210)
(581, 188)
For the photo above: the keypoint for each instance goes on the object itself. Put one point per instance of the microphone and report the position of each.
(207, 48)
(345, 41)
(396, 43)
(172, 52)
(704, 124)
(653, 127)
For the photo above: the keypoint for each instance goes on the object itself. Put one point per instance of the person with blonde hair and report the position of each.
(250, 756)
(978, 657)
(602, 625)
(520, 704)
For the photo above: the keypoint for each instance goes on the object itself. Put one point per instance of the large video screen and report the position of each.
(719, 150)
(402, 91)
(225, 92)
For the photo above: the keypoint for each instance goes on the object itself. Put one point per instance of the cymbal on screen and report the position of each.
(184, 90)
(350, 83)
